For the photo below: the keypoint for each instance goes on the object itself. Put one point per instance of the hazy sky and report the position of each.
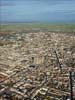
(37, 10)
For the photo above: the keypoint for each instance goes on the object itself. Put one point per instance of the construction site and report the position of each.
(37, 65)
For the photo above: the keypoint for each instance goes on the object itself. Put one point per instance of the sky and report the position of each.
(37, 10)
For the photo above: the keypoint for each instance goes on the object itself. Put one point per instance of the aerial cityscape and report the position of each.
(37, 50)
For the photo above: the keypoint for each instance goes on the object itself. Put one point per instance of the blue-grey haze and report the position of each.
(37, 10)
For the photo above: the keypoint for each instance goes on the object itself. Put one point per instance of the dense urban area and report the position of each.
(36, 65)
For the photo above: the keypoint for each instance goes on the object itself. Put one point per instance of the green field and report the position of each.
(38, 26)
